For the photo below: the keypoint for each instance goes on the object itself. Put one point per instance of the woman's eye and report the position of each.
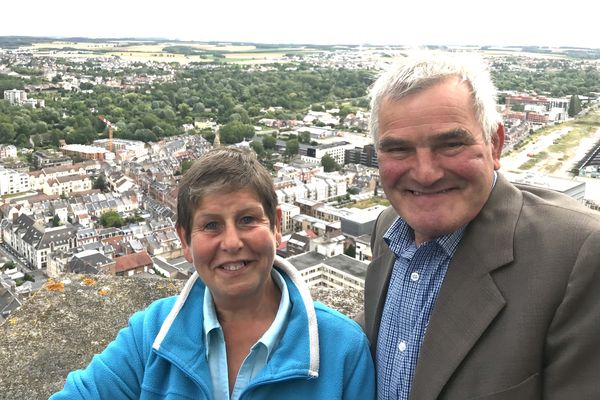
(211, 226)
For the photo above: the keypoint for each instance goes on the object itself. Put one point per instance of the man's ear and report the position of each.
(497, 145)
(187, 251)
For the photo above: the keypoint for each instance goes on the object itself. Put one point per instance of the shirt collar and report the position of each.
(400, 236)
(271, 337)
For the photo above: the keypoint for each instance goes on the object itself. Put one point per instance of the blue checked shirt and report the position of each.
(415, 282)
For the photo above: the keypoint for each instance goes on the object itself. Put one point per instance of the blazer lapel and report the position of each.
(379, 271)
(469, 299)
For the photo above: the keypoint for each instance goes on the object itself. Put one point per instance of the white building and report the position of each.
(336, 150)
(8, 151)
(337, 272)
(288, 212)
(64, 185)
(132, 148)
(15, 96)
(12, 182)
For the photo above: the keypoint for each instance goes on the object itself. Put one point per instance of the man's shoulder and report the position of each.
(554, 203)
(385, 219)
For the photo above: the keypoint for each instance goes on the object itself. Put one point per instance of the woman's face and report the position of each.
(232, 246)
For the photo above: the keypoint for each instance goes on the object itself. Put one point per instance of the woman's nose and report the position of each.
(231, 240)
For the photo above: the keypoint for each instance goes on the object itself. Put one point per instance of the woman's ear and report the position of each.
(278, 214)
(187, 251)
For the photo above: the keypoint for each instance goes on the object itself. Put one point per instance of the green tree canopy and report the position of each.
(258, 148)
(100, 183)
(111, 219)
(55, 220)
(235, 131)
(329, 164)
(574, 106)
(269, 142)
(8, 265)
(185, 165)
(291, 147)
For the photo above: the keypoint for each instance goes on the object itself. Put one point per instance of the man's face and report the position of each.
(435, 167)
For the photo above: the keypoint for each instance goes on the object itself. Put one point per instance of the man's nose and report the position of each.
(426, 169)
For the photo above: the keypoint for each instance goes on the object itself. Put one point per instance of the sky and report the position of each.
(551, 23)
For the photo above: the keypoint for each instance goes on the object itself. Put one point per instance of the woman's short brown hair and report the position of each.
(224, 170)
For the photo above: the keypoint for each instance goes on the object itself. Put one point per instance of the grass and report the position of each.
(139, 51)
(542, 155)
(373, 201)
(563, 148)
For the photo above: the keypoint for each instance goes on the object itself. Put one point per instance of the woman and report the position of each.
(244, 326)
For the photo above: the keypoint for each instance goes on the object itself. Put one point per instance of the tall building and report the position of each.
(15, 96)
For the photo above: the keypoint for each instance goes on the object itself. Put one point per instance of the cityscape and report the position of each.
(95, 135)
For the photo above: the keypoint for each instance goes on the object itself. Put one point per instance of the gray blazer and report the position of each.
(518, 314)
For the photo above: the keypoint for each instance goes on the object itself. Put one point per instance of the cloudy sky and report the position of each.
(415, 22)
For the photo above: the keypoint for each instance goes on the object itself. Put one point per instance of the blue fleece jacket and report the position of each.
(161, 354)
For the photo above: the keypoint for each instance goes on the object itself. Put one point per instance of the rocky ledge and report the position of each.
(66, 322)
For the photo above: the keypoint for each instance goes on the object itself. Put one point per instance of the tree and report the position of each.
(7, 133)
(329, 164)
(304, 137)
(111, 219)
(350, 251)
(100, 183)
(269, 142)
(291, 147)
(574, 106)
(185, 165)
(199, 108)
(258, 148)
(55, 220)
(235, 132)
(8, 265)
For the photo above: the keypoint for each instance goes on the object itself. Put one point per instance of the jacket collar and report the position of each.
(180, 337)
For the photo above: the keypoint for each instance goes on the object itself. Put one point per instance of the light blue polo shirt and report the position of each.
(259, 353)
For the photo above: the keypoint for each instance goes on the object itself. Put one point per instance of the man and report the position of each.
(478, 289)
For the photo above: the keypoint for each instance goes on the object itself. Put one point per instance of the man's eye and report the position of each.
(451, 147)
(400, 153)
(247, 220)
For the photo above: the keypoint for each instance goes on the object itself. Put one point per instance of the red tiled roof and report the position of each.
(132, 261)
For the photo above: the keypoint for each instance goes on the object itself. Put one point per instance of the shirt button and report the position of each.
(402, 346)
(414, 276)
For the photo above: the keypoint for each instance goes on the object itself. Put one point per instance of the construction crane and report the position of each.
(109, 125)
